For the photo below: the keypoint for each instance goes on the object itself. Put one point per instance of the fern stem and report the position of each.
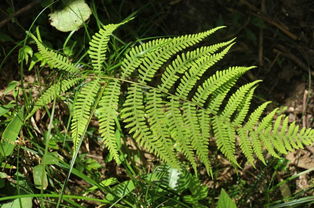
(155, 88)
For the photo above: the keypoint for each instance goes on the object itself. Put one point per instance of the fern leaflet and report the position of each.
(108, 112)
(82, 107)
(52, 92)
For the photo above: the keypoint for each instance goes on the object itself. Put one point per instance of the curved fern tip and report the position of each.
(221, 27)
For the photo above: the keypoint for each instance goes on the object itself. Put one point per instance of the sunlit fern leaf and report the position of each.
(256, 140)
(197, 70)
(178, 130)
(246, 145)
(292, 133)
(150, 56)
(181, 111)
(184, 61)
(277, 140)
(134, 115)
(219, 94)
(55, 59)
(249, 142)
(82, 110)
(309, 136)
(199, 138)
(155, 109)
(98, 45)
(264, 127)
(283, 133)
(221, 79)
(149, 67)
(108, 112)
(52, 92)
(236, 99)
(225, 137)
(203, 153)
(295, 135)
(138, 54)
(243, 108)
(257, 146)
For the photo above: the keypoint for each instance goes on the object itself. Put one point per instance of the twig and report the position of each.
(261, 39)
(19, 12)
(285, 52)
(261, 14)
(304, 106)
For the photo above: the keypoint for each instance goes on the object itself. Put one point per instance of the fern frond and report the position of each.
(246, 145)
(277, 140)
(243, 108)
(225, 137)
(221, 79)
(204, 121)
(98, 45)
(184, 61)
(150, 56)
(108, 116)
(155, 109)
(199, 143)
(134, 115)
(149, 67)
(54, 59)
(52, 92)
(237, 98)
(282, 134)
(137, 55)
(292, 134)
(257, 146)
(82, 110)
(264, 127)
(178, 130)
(181, 112)
(197, 70)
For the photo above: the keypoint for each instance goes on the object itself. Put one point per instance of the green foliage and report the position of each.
(225, 201)
(10, 135)
(165, 186)
(178, 113)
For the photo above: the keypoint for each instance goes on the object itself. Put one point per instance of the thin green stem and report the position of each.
(53, 196)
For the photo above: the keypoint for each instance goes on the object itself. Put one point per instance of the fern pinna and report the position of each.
(181, 111)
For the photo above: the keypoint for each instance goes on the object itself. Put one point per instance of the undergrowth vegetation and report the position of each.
(136, 124)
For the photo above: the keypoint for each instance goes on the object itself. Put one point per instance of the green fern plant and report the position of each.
(177, 113)
(164, 186)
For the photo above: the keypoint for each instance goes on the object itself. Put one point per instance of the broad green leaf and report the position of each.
(10, 135)
(11, 86)
(3, 111)
(3, 176)
(51, 158)
(40, 177)
(225, 201)
(71, 17)
(25, 202)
